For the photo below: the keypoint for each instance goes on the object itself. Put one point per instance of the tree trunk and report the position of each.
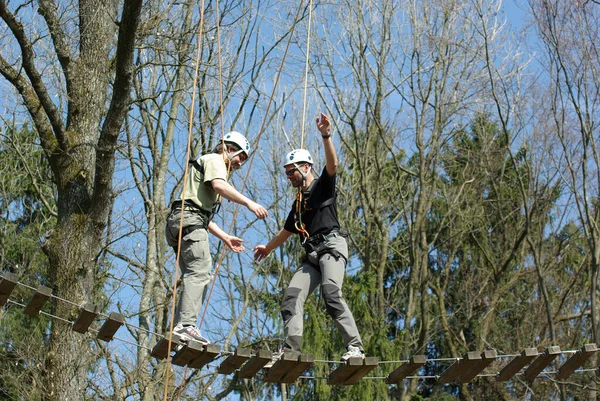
(72, 249)
(81, 153)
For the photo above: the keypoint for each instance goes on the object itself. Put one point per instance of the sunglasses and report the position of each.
(291, 172)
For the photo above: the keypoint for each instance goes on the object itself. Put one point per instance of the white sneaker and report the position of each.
(353, 352)
(274, 358)
(188, 333)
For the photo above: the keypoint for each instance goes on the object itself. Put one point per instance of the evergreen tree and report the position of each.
(26, 192)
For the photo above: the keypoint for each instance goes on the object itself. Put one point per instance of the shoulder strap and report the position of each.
(325, 203)
(197, 165)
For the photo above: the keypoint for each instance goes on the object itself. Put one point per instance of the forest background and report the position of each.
(468, 184)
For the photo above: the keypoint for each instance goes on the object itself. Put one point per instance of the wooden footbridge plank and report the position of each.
(345, 370)
(110, 326)
(404, 370)
(186, 354)
(576, 360)
(518, 363)
(7, 285)
(369, 364)
(460, 367)
(280, 368)
(161, 349)
(487, 357)
(37, 301)
(304, 362)
(541, 362)
(234, 361)
(353, 370)
(256, 363)
(87, 315)
(208, 354)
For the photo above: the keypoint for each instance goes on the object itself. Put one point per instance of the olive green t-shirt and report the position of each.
(198, 188)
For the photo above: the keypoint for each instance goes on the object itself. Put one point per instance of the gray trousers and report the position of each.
(326, 265)
(195, 262)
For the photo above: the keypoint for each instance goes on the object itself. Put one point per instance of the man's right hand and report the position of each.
(260, 252)
(258, 210)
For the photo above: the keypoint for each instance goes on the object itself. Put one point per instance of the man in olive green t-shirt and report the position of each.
(207, 182)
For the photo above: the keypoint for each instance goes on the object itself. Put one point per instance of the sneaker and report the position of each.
(274, 358)
(353, 352)
(188, 333)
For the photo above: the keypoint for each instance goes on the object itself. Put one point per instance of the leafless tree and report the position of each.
(569, 35)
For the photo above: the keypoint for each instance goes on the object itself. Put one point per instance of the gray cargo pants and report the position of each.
(325, 264)
(195, 261)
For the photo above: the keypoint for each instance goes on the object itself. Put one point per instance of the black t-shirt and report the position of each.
(317, 219)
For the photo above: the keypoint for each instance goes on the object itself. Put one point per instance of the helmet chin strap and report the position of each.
(302, 173)
(234, 154)
(230, 156)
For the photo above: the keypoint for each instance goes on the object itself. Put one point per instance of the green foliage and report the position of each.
(24, 220)
(488, 209)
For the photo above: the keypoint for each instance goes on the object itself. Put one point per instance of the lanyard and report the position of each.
(300, 226)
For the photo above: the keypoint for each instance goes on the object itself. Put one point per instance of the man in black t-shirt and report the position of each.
(314, 217)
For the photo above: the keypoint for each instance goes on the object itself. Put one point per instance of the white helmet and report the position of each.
(239, 140)
(298, 156)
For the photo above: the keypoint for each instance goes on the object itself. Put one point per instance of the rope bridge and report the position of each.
(529, 364)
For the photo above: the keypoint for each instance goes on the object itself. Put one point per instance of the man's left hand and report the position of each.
(234, 243)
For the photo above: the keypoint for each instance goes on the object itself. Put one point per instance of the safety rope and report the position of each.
(185, 177)
(220, 68)
(310, 4)
(250, 160)
(224, 150)
(300, 226)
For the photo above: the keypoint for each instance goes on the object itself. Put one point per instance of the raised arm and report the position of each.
(324, 126)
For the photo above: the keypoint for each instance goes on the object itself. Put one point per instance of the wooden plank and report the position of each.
(234, 361)
(576, 360)
(286, 362)
(87, 315)
(110, 326)
(541, 362)
(515, 366)
(460, 367)
(369, 364)
(37, 301)
(251, 368)
(305, 361)
(7, 285)
(406, 369)
(210, 352)
(487, 357)
(187, 353)
(345, 370)
(161, 349)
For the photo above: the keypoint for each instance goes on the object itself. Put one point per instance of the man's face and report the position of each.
(292, 173)
(237, 160)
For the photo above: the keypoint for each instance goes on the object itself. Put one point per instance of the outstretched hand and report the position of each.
(260, 252)
(258, 210)
(323, 124)
(234, 243)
